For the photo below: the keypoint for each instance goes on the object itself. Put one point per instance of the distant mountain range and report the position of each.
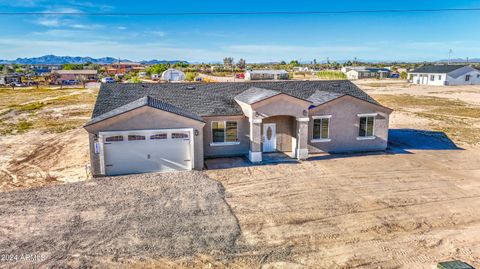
(460, 60)
(53, 59)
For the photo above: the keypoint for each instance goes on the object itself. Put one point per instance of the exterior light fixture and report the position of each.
(196, 132)
(305, 113)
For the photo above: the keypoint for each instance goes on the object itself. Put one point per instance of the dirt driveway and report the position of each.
(118, 221)
(404, 209)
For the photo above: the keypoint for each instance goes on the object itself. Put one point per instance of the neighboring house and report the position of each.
(122, 68)
(138, 128)
(173, 75)
(345, 69)
(9, 79)
(445, 75)
(266, 75)
(62, 76)
(367, 72)
(302, 69)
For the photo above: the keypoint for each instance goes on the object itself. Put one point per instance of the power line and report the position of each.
(237, 13)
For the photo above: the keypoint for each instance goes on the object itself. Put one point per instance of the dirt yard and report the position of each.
(113, 221)
(41, 139)
(410, 207)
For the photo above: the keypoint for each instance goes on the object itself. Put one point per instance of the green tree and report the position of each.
(228, 63)
(72, 67)
(294, 63)
(181, 65)
(190, 76)
(403, 75)
(242, 64)
(156, 69)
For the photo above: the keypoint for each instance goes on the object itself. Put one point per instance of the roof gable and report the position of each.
(144, 101)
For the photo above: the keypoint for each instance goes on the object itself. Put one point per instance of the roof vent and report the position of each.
(190, 88)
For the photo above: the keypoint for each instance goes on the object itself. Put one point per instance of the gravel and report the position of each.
(114, 219)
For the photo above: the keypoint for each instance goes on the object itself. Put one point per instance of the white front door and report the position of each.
(269, 137)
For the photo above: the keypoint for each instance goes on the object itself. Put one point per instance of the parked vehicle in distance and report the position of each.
(17, 84)
(108, 80)
(198, 79)
(240, 76)
(395, 75)
(70, 82)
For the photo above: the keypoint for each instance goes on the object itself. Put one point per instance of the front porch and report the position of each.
(267, 159)
(278, 123)
(279, 135)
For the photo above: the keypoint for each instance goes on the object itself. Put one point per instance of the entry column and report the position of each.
(255, 153)
(302, 138)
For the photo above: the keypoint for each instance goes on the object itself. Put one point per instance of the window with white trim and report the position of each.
(321, 128)
(467, 77)
(224, 131)
(366, 126)
(432, 77)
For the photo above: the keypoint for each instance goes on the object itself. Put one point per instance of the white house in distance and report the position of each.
(367, 72)
(266, 75)
(445, 75)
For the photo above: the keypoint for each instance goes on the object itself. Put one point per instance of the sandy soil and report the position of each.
(411, 207)
(399, 210)
(112, 222)
(35, 159)
(467, 93)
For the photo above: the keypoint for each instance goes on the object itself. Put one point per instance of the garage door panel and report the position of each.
(159, 154)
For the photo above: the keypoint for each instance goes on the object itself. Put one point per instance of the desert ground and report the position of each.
(409, 207)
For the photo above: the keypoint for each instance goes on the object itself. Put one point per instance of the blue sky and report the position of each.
(257, 38)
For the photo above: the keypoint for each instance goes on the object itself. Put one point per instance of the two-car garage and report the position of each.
(163, 150)
(145, 136)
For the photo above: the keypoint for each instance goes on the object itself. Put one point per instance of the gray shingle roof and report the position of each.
(217, 99)
(321, 97)
(254, 94)
(144, 101)
(437, 69)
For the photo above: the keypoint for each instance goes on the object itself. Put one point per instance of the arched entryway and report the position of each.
(278, 134)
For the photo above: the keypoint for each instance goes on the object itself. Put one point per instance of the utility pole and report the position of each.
(449, 55)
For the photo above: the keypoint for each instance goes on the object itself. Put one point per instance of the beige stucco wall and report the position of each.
(243, 130)
(146, 118)
(344, 126)
(281, 104)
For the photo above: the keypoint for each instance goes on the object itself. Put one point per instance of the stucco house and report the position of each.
(442, 75)
(367, 72)
(264, 74)
(61, 76)
(139, 128)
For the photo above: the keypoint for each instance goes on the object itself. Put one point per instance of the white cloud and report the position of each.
(122, 28)
(156, 33)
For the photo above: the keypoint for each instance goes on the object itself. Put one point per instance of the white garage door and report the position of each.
(147, 151)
